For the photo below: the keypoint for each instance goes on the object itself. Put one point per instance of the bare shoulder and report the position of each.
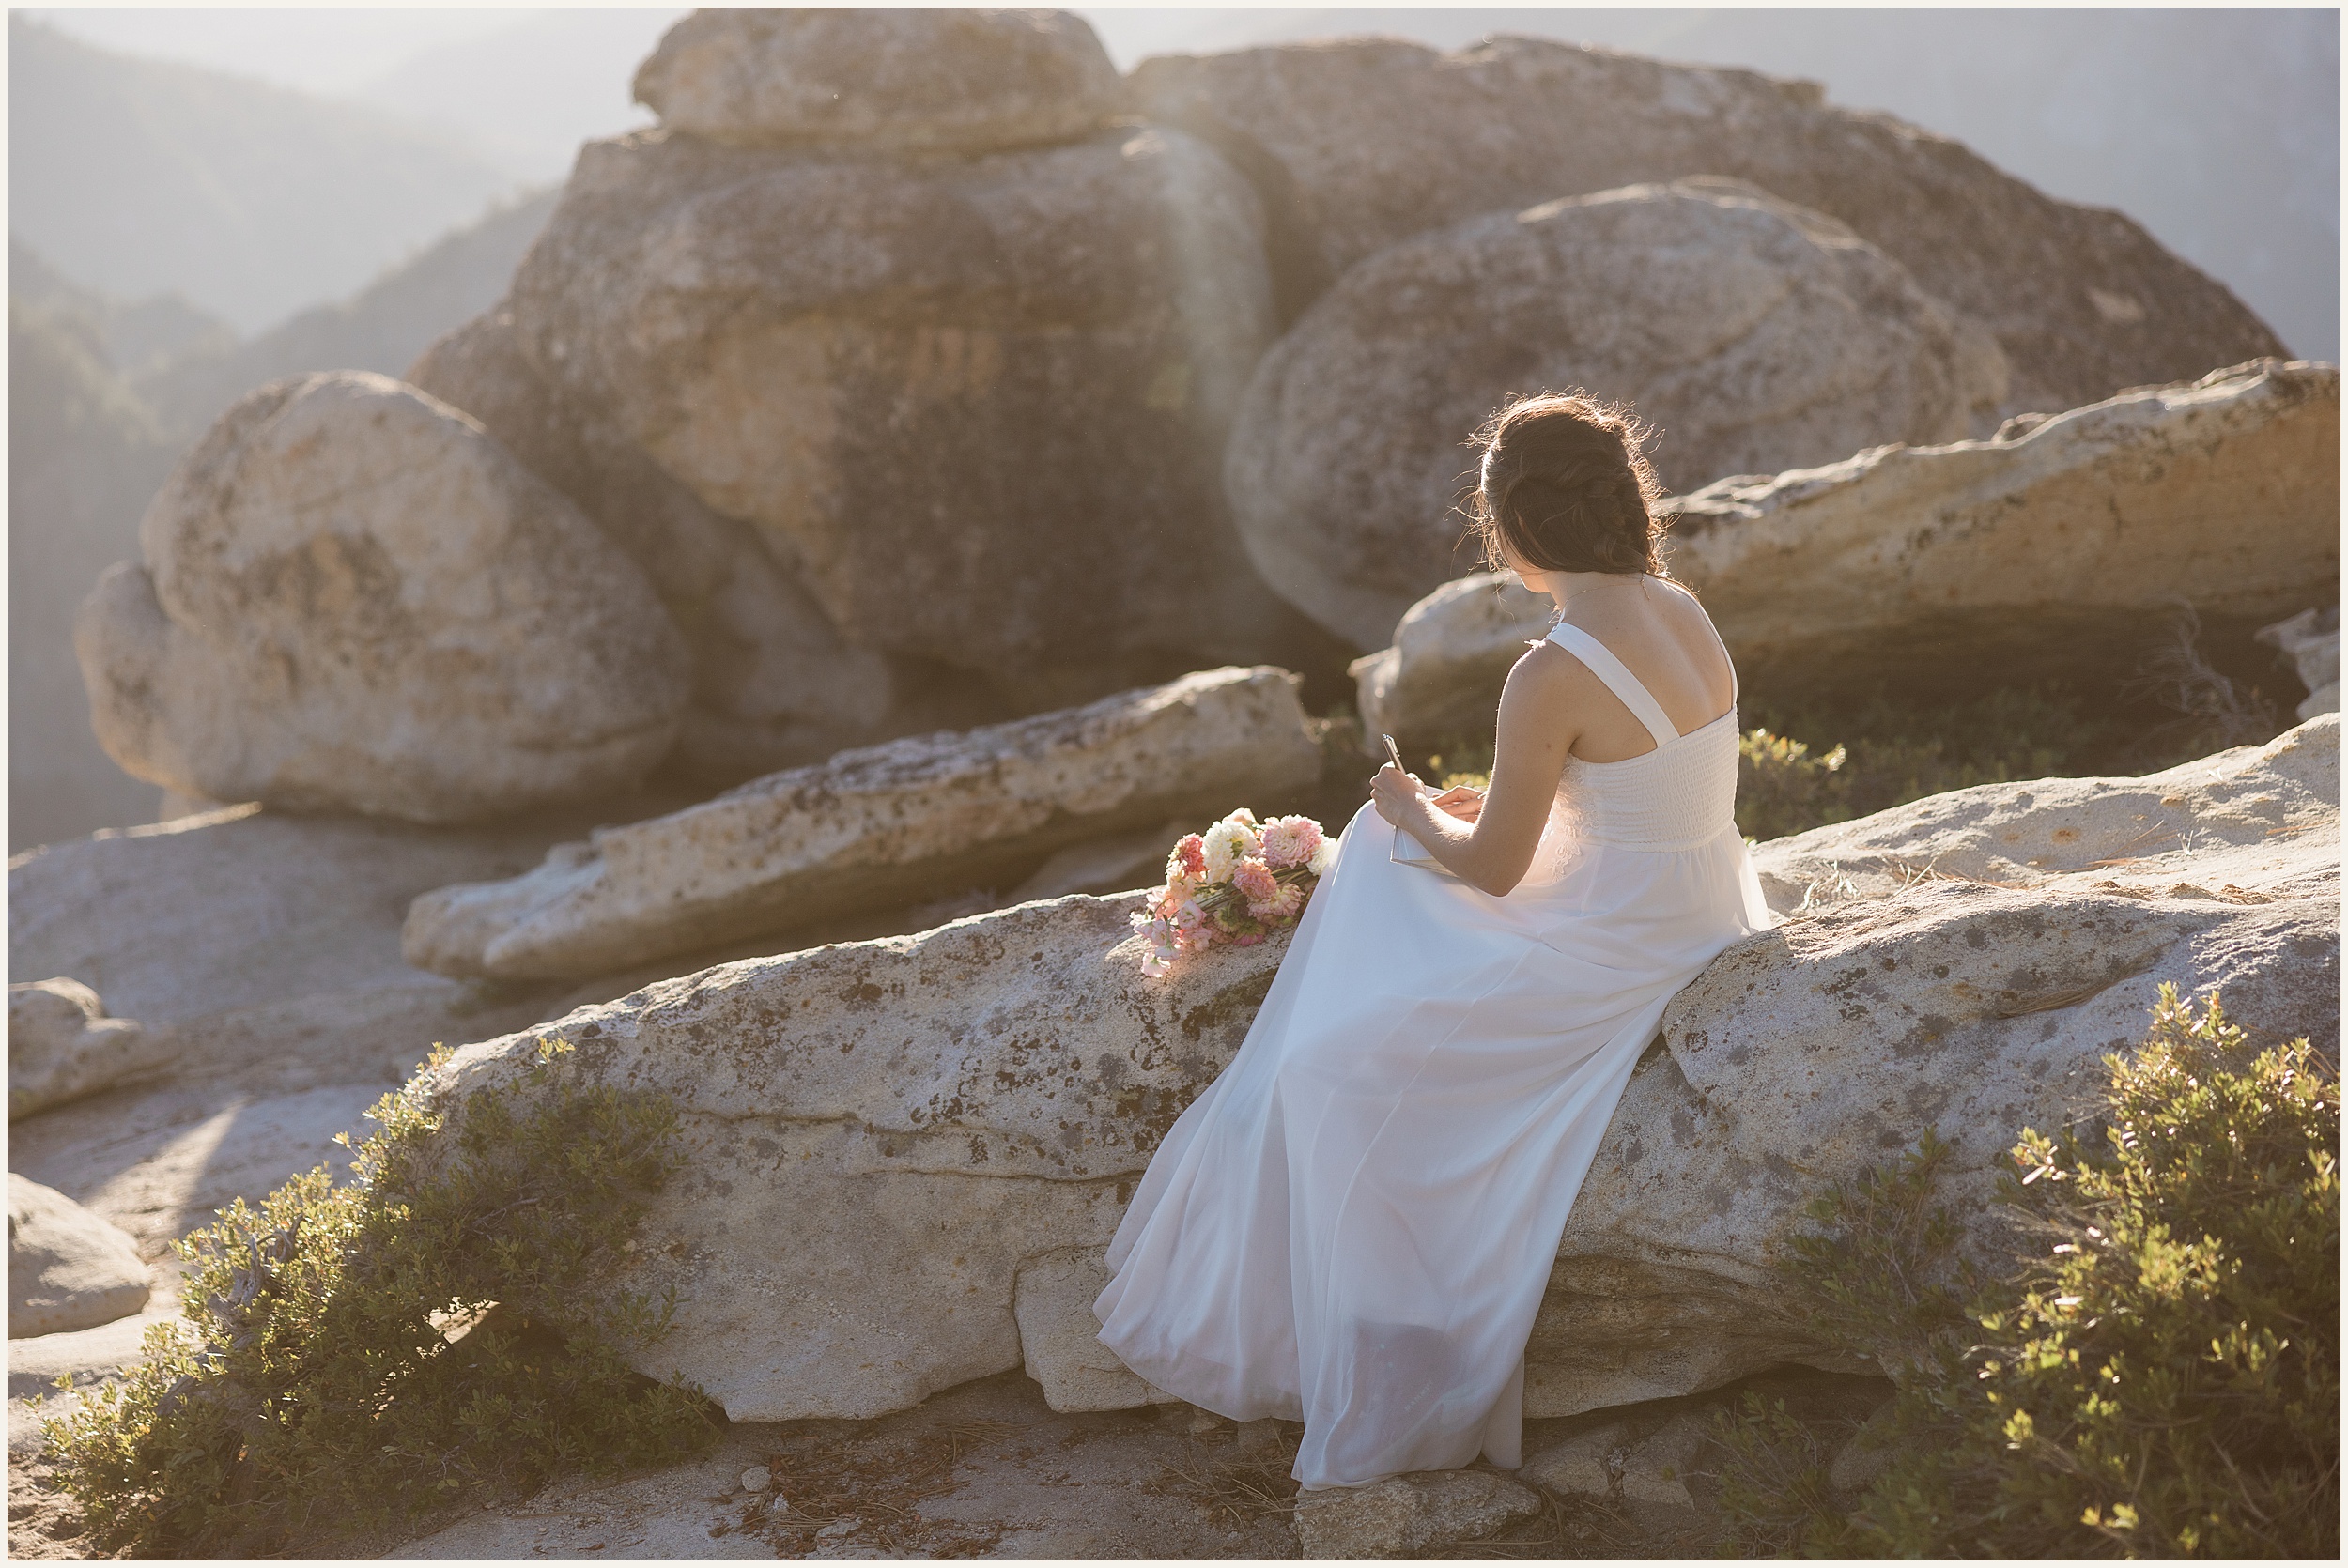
(1682, 615)
(1680, 603)
(1547, 672)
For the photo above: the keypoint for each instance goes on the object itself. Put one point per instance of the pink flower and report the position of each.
(1286, 900)
(1255, 881)
(1188, 863)
(1290, 841)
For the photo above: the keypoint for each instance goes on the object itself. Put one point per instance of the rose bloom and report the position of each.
(1290, 841)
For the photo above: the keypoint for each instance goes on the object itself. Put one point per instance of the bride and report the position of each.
(1353, 1226)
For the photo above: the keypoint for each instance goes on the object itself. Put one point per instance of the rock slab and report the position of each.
(927, 81)
(1403, 1516)
(2046, 551)
(889, 825)
(353, 599)
(62, 1046)
(1617, 1462)
(264, 948)
(1757, 335)
(67, 1269)
(881, 1136)
(2058, 551)
(897, 1151)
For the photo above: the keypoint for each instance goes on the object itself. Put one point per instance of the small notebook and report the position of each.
(1408, 851)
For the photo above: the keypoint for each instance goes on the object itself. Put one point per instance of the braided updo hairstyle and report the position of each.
(1564, 484)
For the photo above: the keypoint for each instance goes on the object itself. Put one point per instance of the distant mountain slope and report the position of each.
(132, 336)
(385, 327)
(84, 456)
(138, 178)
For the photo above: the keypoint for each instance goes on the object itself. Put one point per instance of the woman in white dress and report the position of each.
(1353, 1226)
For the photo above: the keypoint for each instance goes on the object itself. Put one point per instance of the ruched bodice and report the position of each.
(1676, 797)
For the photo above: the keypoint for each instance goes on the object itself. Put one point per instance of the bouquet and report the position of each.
(1234, 885)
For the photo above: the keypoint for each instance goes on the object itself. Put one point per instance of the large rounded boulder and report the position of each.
(1362, 142)
(954, 80)
(1757, 335)
(982, 401)
(354, 599)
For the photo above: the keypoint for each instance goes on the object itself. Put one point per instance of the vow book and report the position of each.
(1408, 851)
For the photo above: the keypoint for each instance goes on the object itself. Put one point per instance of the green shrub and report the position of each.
(321, 1378)
(2161, 1380)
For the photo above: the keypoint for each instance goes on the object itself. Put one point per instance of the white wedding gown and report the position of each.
(1353, 1226)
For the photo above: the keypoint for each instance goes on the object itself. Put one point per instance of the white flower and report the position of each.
(1227, 843)
(1324, 857)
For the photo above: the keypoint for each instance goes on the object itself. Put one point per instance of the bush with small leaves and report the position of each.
(2160, 1379)
(452, 1322)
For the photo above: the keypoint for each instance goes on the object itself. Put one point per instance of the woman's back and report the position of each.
(1679, 793)
(1666, 642)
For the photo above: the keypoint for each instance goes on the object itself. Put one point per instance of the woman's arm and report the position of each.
(1537, 730)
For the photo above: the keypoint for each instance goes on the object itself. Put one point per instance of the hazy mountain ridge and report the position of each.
(383, 326)
(139, 177)
(84, 456)
(129, 335)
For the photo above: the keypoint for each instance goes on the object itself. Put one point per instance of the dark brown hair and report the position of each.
(1564, 484)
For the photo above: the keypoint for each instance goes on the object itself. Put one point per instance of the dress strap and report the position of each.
(1618, 679)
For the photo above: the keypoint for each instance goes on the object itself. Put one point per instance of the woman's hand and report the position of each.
(1396, 794)
(1463, 801)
